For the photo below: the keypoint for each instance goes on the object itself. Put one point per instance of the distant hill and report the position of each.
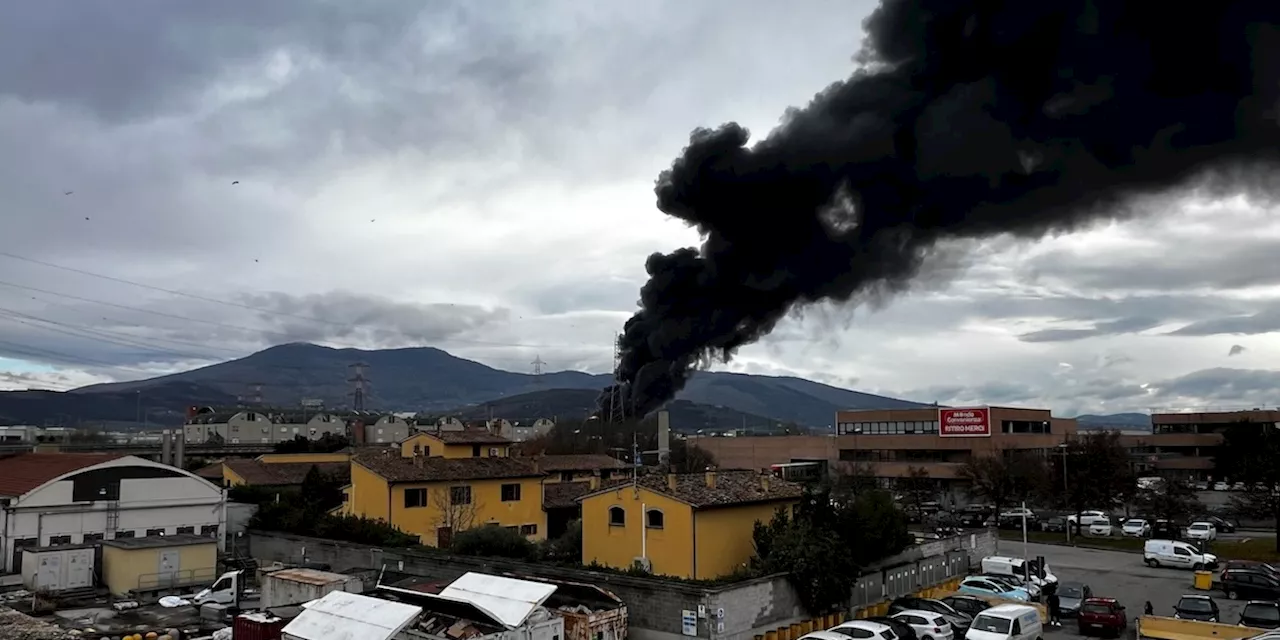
(1114, 421)
(577, 404)
(163, 403)
(420, 379)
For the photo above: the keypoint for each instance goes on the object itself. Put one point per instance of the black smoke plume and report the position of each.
(966, 119)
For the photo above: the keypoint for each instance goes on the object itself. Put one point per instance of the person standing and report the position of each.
(1053, 603)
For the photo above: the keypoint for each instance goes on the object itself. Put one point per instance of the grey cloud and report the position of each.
(1224, 263)
(605, 294)
(992, 392)
(1235, 350)
(1255, 387)
(1108, 328)
(1265, 321)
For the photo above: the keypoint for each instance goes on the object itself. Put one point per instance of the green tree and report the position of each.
(1006, 477)
(1172, 501)
(495, 541)
(823, 546)
(566, 549)
(1250, 453)
(320, 491)
(327, 443)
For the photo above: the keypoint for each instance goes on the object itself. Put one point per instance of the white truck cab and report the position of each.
(1028, 570)
(227, 589)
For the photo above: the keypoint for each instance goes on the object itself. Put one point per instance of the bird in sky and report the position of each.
(235, 182)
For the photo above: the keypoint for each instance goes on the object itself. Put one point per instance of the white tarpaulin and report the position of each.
(508, 600)
(347, 616)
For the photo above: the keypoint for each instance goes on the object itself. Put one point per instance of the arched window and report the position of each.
(617, 517)
(654, 519)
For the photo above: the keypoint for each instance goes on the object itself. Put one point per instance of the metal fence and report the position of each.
(175, 579)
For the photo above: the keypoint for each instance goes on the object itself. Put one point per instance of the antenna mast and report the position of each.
(614, 405)
(358, 382)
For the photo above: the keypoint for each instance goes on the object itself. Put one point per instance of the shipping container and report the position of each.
(58, 568)
(296, 586)
(257, 626)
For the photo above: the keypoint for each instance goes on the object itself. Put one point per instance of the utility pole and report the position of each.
(359, 386)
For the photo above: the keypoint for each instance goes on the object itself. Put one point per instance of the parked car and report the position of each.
(904, 630)
(1071, 596)
(1248, 582)
(1166, 529)
(968, 605)
(1221, 486)
(1028, 570)
(1007, 622)
(927, 624)
(1200, 486)
(1136, 528)
(865, 630)
(1054, 523)
(1261, 614)
(1100, 528)
(959, 621)
(823, 635)
(1250, 564)
(979, 586)
(1102, 615)
(1194, 607)
(1201, 531)
(1087, 518)
(1221, 524)
(1173, 553)
(1016, 582)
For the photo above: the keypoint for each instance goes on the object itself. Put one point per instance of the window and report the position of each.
(459, 495)
(210, 530)
(415, 498)
(59, 539)
(513, 529)
(654, 519)
(188, 530)
(92, 537)
(566, 476)
(617, 517)
(124, 534)
(528, 529)
(155, 532)
(475, 451)
(417, 449)
(510, 492)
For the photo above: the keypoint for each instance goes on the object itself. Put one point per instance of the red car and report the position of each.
(1102, 615)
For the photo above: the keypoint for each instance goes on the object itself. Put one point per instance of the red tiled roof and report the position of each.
(732, 487)
(578, 462)
(283, 474)
(22, 473)
(438, 469)
(467, 436)
(560, 495)
(210, 472)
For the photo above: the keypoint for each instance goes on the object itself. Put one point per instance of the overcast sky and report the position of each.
(478, 176)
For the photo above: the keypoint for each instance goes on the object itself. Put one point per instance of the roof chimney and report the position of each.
(595, 480)
(419, 460)
(711, 478)
(764, 480)
(671, 481)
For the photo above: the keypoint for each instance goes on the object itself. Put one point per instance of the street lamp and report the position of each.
(1065, 493)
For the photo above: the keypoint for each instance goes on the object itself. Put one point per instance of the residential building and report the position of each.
(696, 526)
(78, 498)
(521, 430)
(892, 442)
(469, 443)
(265, 426)
(281, 470)
(569, 477)
(377, 429)
(433, 496)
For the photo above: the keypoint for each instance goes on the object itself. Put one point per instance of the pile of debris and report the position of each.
(15, 625)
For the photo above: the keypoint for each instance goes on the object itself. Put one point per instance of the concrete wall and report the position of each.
(654, 605)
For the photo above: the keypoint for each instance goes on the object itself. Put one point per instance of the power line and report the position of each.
(243, 306)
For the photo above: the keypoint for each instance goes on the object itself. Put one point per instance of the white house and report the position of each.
(78, 498)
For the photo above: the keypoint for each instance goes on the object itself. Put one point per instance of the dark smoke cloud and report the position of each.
(967, 120)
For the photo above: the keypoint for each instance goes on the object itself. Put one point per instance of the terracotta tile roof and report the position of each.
(287, 473)
(579, 462)
(434, 469)
(468, 436)
(732, 487)
(22, 473)
(210, 471)
(560, 495)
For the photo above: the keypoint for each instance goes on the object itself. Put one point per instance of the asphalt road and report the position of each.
(1119, 575)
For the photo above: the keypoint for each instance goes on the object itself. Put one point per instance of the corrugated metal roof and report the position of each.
(347, 616)
(508, 600)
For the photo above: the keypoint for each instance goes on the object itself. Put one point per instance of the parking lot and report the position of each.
(1122, 576)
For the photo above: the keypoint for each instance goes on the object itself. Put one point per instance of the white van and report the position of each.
(1006, 566)
(1006, 622)
(1174, 553)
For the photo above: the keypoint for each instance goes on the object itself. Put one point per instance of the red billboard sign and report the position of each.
(964, 423)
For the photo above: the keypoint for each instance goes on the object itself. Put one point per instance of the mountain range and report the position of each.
(432, 381)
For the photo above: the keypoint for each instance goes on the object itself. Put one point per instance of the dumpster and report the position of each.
(1203, 580)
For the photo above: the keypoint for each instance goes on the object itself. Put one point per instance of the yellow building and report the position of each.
(297, 458)
(275, 469)
(468, 443)
(158, 563)
(435, 496)
(695, 526)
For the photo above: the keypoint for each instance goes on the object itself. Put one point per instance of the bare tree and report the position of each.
(1004, 477)
(456, 509)
(917, 488)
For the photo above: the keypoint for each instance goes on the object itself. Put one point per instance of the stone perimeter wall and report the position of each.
(655, 606)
